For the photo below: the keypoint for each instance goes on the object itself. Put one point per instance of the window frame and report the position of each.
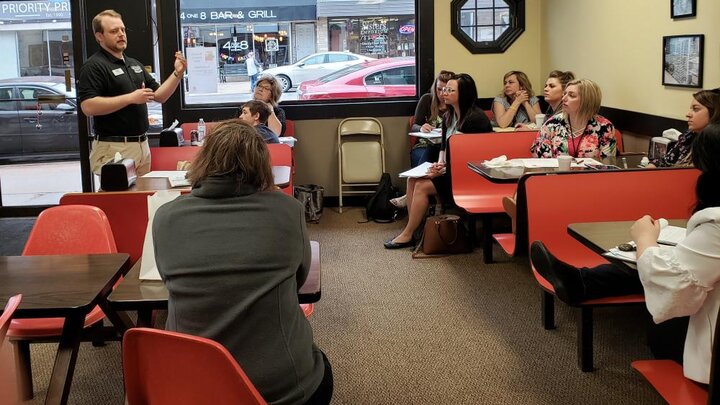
(170, 39)
(503, 42)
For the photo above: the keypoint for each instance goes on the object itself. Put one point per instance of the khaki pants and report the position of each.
(103, 152)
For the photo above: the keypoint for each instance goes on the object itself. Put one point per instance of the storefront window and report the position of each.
(298, 42)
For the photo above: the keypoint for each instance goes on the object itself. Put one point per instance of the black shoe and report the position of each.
(564, 278)
(389, 244)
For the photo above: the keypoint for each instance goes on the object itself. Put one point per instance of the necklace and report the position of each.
(578, 132)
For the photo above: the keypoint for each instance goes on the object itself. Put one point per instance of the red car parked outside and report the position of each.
(390, 77)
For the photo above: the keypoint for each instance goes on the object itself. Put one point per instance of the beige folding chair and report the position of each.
(361, 155)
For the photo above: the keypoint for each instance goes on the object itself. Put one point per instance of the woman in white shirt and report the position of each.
(677, 281)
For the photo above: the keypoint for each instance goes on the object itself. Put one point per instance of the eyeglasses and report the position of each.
(448, 90)
(266, 88)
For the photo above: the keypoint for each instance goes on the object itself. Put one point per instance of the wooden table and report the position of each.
(281, 176)
(513, 174)
(61, 286)
(145, 296)
(602, 236)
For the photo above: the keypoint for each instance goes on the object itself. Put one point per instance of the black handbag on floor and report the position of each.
(311, 197)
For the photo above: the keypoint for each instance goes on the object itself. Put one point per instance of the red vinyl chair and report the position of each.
(307, 309)
(7, 373)
(666, 376)
(65, 229)
(163, 367)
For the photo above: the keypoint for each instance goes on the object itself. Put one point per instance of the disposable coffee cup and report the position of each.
(564, 162)
(539, 120)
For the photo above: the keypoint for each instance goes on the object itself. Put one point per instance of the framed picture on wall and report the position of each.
(683, 60)
(683, 8)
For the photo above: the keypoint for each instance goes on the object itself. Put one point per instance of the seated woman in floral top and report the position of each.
(578, 131)
(704, 110)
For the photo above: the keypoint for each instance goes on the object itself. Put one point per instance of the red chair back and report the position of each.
(189, 126)
(162, 367)
(127, 214)
(70, 229)
(619, 142)
(167, 157)
(8, 384)
(289, 128)
(555, 201)
(471, 191)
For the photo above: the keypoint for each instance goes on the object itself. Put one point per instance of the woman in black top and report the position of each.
(462, 116)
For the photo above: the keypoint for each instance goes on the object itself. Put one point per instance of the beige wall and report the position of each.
(618, 44)
(488, 69)
(316, 153)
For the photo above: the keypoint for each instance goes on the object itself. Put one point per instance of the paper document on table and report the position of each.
(179, 182)
(615, 253)
(506, 129)
(166, 174)
(428, 135)
(417, 171)
(671, 235)
(553, 162)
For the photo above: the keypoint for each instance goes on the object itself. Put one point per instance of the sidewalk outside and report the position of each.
(38, 183)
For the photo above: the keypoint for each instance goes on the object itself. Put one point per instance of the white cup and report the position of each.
(539, 120)
(564, 162)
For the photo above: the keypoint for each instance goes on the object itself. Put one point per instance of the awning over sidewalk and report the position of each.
(246, 11)
(353, 8)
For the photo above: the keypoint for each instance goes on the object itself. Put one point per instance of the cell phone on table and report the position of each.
(602, 167)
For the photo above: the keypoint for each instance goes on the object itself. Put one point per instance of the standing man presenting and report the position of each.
(114, 89)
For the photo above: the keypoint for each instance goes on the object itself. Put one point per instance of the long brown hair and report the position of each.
(443, 76)
(234, 148)
(711, 100)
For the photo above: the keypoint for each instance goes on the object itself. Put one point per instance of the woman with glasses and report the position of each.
(517, 104)
(677, 281)
(428, 116)
(578, 131)
(704, 110)
(462, 116)
(269, 91)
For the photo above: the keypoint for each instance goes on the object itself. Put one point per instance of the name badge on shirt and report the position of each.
(118, 71)
(136, 69)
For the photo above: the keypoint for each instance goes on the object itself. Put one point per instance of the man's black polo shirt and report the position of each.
(107, 76)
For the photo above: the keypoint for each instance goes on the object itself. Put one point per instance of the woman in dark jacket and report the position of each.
(462, 116)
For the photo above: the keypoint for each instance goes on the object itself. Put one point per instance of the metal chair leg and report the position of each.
(585, 339)
(548, 310)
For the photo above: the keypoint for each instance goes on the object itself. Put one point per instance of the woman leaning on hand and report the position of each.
(578, 131)
(228, 281)
(517, 104)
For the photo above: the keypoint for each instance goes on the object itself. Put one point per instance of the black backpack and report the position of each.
(379, 208)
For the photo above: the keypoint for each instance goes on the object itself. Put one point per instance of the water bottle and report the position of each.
(201, 131)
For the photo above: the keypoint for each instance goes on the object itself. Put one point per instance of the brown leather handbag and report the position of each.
(443, 235)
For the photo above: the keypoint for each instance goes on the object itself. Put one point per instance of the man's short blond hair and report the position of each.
(97, 20)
